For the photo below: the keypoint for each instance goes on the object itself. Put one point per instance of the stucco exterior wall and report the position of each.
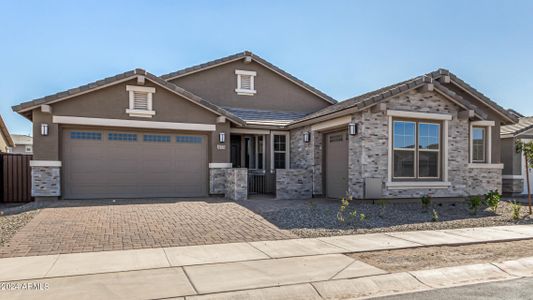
(274, 92)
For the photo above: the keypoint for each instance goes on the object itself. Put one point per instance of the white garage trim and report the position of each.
(45, 163)
(132, 123)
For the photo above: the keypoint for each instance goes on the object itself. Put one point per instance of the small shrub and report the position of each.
(381, 204)
(362, 217)
(345, 202)
(426, 202)
(516, 207)
(474, 202)
(492, 199)
(434, 216)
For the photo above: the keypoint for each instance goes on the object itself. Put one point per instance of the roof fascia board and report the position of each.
(204, 68)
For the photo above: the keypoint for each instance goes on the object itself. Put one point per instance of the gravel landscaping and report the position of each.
(10, 224)
(318, 217)
(445, 256)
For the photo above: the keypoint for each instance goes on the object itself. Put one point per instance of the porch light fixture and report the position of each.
(307, 137)
(222, 137)
(352, 128)
(44, 129)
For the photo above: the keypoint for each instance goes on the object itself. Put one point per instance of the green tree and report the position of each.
(527, 150)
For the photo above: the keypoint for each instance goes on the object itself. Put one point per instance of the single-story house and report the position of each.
(514, 172)
(240, 125)
(6, 141)
(23, 144)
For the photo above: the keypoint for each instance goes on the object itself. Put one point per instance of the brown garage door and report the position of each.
(122, 164)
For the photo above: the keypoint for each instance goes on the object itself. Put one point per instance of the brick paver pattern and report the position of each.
(101, 226)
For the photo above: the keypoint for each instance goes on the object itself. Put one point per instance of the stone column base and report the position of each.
(45, 179)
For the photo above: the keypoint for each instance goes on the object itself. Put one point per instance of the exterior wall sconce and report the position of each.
(44, 129)
(222, 137)
(307, 137)
(353, 128)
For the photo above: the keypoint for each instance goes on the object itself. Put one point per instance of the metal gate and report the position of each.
(261, 182)
(15, 177)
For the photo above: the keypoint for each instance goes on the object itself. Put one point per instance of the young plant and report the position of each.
(345, 202)
(362, 217)
(492, 198)
(426, 202)
(516, 207)
(474, 202)
(434, 216)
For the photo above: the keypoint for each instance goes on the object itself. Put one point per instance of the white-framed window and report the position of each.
(279, 146)
(416, 150)
(140, 101)
(28, 149)
(245, 82)
(9, 149)
(481, 142)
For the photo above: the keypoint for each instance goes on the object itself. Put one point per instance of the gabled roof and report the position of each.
(475, 93)
(5, 133)
(371, 98)
(265, 117)
(256, 58)
(523, 125)
(22, 139)
(30, 105)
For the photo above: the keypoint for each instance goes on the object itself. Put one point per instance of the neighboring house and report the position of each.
(6, 141)
(240, 125)
(514, 173)
(23, 144)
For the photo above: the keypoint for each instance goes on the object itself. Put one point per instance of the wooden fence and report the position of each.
(15, 177)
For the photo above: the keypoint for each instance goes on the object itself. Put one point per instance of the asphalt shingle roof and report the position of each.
(265, 117)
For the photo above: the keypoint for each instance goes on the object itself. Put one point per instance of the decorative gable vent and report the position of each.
(245, 82)
(140, 101)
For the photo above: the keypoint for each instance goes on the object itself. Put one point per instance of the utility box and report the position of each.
(373, 188)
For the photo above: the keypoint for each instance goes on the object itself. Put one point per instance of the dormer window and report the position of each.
(140, 101)
(245, 82)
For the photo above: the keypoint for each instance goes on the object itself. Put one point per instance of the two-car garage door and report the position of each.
(124, 164)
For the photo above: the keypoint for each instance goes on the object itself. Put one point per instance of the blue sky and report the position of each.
(343, 48)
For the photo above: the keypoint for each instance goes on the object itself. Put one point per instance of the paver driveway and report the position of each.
(83, 226)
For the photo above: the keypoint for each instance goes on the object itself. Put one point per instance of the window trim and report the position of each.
(131, 111)
(488, 143)
(442, 181)
(287, 149)
(245, 92)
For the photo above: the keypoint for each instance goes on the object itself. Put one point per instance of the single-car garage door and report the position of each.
(122, 164)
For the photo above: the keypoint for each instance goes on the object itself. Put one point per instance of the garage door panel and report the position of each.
(164, 166)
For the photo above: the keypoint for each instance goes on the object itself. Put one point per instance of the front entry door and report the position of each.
(336, 164)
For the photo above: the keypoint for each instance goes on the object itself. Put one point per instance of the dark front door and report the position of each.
(336, 164)
(236, 151)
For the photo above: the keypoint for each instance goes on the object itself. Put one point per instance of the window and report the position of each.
(157, 138)
(140, 101)
(245, 82)
(478, 144)
(280, 151)
(85, 135)
(189, 139)
(28, 149)
(9, 149)
(416, 147)
(128, 137)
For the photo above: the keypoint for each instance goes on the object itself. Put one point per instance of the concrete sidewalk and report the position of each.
(296, 269)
